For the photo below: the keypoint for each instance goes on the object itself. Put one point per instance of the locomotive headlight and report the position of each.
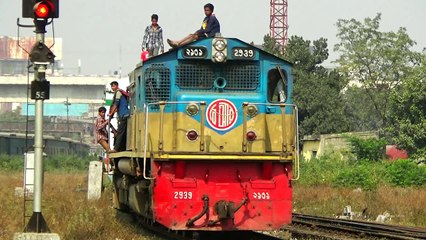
(219, 57)
(219, 49)
(252, 110)
(219, 45)
(192, 109)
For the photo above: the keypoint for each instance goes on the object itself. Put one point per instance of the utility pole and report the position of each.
(67, 104)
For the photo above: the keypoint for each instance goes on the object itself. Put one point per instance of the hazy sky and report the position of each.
(106, 35)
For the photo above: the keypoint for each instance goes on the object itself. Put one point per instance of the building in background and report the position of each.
(70, 111)
(313, 147)
(14, 54)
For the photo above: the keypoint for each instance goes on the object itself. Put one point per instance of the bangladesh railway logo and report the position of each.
(221, 114)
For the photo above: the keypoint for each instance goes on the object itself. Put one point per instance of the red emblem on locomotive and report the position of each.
(221, 114)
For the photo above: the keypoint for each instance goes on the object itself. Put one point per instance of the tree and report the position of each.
(271, 46)
(317, 91)
(407, 114)
(360, 110)
(378, 61)
(305, 56)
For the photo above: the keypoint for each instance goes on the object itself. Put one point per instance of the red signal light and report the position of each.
(42, 10)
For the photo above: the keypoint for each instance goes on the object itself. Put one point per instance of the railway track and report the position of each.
(332, 228)
(303, 227)
(168, 234)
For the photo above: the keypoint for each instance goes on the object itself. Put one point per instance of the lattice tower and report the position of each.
(279, 21)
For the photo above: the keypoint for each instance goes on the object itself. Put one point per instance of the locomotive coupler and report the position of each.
(226, 210)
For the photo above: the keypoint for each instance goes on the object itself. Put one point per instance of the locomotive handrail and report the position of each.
(146, 109)
(297, 144)
(283, 132)
(203, 115)
(203, 103)
(160, 141)
(160, 138)
(282, 106)
(244, 126)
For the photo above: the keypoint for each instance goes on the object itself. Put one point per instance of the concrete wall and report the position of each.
(13, 144)
(318, 146)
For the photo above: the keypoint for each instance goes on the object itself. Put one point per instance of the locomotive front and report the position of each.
(212, 139)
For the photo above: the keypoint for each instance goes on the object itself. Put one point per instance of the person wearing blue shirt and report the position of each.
(121, 107)
(209, 28)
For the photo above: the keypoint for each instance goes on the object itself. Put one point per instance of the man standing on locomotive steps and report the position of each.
(121, 106)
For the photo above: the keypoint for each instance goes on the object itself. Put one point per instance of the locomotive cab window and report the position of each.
(131, 89)
(277, 85)
(157, 83)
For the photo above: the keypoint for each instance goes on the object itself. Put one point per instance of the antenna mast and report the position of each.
(278, 27)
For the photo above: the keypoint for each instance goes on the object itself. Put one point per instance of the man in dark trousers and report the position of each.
(209, 28)
(121, 106)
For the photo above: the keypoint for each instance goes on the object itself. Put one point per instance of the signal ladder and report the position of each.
(28, 191)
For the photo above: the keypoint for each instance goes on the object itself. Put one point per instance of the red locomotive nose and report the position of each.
(251, 136)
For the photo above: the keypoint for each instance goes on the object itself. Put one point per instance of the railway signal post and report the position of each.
(41, 11)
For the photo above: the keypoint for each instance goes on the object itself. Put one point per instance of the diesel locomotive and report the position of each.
(212, 141)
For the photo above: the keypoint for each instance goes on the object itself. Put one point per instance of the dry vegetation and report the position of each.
(405, 205)
(66, 210)
(70, 215)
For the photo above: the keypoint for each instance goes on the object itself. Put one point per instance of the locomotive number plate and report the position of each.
(182, 195)
(243, 53)
(261, 195)
(194, 52)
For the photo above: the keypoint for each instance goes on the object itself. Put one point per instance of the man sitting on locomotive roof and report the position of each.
(209, 28)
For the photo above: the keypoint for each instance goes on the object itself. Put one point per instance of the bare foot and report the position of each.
(172, 44)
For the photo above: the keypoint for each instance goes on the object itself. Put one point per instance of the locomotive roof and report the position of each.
(261, 51)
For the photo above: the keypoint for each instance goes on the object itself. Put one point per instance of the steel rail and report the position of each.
(359, 227)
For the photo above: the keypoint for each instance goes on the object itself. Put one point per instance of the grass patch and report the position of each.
(330, 183)
(56, 163)
(66, 210)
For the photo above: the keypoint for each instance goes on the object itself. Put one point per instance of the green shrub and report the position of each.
(321, 170)
(11, 162)
(405, 173)
(368, 149)
(65, 163)
(368, 175)
(365, 175)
